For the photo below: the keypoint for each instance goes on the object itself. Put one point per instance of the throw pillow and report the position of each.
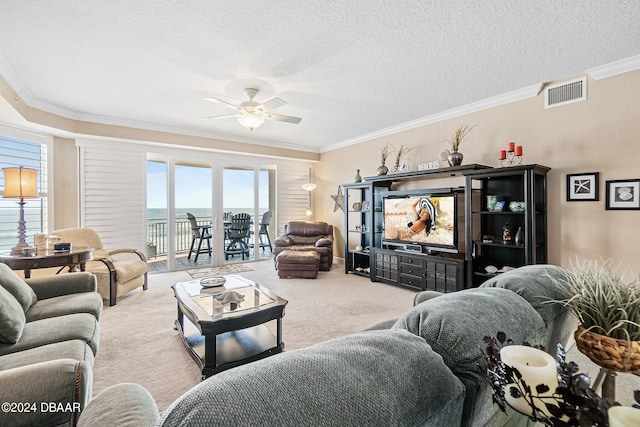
(12, 318)
(17, 287)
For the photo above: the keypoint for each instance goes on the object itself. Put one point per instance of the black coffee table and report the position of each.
(221, 335)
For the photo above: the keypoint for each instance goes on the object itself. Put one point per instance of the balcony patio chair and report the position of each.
(200, 233)
(237, 234)
(264, 231)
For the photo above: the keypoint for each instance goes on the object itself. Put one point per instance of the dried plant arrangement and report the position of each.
(384, 153)
(459, 135)
(401, 152)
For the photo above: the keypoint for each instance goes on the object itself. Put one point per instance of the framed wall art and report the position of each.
(583, 187)
(623, 194)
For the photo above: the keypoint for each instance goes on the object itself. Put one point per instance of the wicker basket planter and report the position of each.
(615, 354)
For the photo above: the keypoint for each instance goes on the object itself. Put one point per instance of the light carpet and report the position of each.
(138, 342)
(218, 271)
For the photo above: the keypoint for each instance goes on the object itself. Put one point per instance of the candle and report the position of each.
(512, 146)
(503, 154)
(519, 150)
(536, 367)
(623, 416)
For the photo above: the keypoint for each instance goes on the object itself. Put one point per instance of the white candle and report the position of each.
(536, 367)
(624, 416)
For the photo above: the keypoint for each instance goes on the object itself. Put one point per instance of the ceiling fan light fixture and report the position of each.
(251, 121)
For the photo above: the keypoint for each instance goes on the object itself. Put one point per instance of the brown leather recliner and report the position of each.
(307, 236)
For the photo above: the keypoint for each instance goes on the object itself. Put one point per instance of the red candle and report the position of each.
(519, 150)
(503, 155)
(512, 146)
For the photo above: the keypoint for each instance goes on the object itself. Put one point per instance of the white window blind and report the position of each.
(293, 200)
(29, 151)
(112, 192)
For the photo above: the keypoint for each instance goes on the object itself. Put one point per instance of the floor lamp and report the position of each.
(20, 183)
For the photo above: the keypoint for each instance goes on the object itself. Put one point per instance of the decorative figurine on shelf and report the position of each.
(506, 233)
(512, 156)
(519, 237)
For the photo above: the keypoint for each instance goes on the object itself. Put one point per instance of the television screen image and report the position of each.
(422, 220)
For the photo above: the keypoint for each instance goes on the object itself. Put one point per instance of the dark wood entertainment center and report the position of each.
(367, 253)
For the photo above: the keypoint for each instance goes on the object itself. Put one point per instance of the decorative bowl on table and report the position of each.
(516, 206)
(212, 282)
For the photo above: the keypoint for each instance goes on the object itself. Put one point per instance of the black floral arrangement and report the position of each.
(574, 402)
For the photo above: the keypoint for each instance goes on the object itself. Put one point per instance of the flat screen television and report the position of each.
(426, 218)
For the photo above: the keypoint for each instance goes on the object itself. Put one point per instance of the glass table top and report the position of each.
(236, 295)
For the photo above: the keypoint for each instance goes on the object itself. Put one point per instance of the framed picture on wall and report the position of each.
(623, 194)
(583, 187)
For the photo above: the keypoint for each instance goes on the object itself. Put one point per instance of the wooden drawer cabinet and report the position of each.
(419, 271)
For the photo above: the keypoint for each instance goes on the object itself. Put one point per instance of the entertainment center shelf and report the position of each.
(424, 266)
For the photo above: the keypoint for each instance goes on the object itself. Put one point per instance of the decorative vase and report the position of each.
(454, 158)
(382, 170)
(357, 177)
(518, 239)
(611, 353)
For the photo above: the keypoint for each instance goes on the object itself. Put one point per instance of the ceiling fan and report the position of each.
(253, 114)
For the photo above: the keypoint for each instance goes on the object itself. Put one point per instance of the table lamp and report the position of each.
(20, 183)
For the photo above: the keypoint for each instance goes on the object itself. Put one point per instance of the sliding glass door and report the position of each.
(211, 194)
(248, 191)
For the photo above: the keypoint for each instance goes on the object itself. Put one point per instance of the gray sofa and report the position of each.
(419, 370)
(49, 335)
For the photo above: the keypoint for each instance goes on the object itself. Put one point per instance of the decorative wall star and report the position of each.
(339, 200)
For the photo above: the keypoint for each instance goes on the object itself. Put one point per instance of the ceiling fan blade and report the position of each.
(273, 103)
(221, 117)
(281, 118)
(220, 101)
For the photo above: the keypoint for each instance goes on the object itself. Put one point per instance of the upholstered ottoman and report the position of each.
(298, 264)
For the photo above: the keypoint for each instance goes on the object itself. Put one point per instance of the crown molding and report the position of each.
(614, 68)
(516, 95)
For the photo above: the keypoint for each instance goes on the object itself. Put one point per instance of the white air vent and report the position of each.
(565, 93)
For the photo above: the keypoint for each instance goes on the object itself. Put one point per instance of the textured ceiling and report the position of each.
(347, 68)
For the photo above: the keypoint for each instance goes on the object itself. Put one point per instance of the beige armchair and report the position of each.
(115, 275)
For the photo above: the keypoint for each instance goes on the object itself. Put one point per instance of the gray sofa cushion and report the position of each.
(535, 283)
(17, 287)
(371, 378)
(454, 325)
(12, 318)
(74, 349)
(121, 405)
(84, 302)
(81, 326)
(64, 382)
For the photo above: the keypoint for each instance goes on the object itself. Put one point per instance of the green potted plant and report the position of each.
(608, 311)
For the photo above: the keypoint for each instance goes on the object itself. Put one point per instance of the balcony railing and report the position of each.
(157, 235)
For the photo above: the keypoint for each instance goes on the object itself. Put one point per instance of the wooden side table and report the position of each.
(78, 256)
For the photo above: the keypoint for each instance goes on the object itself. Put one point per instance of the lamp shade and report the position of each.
(20, 183)
(309, 186)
